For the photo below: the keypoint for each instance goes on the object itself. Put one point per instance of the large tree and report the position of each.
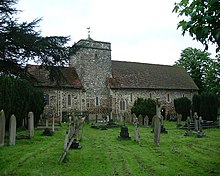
(21, 42)
(201, 20)
(196, 63)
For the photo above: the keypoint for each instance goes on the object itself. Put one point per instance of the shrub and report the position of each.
(18, 97)
(209, 106)
(182, 106)
(144, 107)
(196, 102)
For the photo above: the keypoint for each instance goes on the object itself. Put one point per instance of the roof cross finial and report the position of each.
(88, 28)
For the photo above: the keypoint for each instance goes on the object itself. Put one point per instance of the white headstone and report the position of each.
(12, 130)
(31, 124)
(2, 128)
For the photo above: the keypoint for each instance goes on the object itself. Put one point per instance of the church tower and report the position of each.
(92, 61)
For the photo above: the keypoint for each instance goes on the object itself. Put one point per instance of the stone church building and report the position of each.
(96, 84)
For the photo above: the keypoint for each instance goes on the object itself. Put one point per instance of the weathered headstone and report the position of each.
(140, 119)
(156, 122)
(146, 121)
(46, 119)
(12, 130)
(188, 123)
(136, 131)
(134, 117)
(196, 118)
(178, 120)
(200, 123)
(2, 128)
(31, 124)
(53, 125)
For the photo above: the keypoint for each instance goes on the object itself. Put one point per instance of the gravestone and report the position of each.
(188, 131)
(146, 121)
(156, 122)
(2, 128)
(200, 133)
(12, 130)
(46, 119)
(53, 123)
(124, 134)
(200, 124)
(136, 131)
(196, 119)
(31, 124)
(188, 123)
(140, 119)
(134, 117)
(178, 120)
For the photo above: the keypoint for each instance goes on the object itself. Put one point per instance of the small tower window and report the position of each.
(168, 97)
(97, 101)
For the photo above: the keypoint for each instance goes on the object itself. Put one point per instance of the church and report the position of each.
(96, 84)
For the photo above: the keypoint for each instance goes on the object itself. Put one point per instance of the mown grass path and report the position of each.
(103, 153)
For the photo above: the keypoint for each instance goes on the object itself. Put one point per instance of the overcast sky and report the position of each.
(138, 30)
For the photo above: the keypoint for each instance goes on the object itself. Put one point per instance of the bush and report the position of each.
(196, 102)
(144, 107)
(182, 106)
(18, 97)
(209, 106)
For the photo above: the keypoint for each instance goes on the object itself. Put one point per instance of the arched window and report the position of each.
(46, 99)
(122, 105)
(69, 100)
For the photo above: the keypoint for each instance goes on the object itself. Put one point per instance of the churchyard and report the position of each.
(103, 153)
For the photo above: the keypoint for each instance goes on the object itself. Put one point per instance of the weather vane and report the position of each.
(88, 28)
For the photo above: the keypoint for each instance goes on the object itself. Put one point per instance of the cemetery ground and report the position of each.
(102, 153)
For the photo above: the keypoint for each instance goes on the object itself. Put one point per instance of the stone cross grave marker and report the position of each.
(31, 124)
(2, 128)
(156, 129)
(12, 130)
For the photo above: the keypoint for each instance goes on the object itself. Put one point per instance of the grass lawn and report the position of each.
(103, 154)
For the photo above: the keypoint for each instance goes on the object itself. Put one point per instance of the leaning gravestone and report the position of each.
(2, 128)
(156, 129)
(12, 130)
(31, 124)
